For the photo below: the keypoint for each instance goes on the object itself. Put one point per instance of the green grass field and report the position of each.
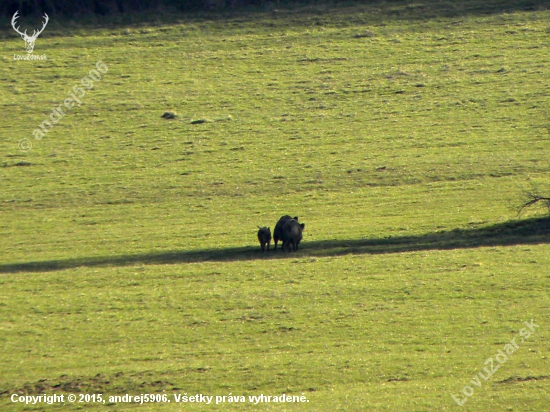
(402, 135)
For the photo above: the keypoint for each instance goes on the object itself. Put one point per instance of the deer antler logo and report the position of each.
(29, 40)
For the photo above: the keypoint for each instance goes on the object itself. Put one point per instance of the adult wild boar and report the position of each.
(291, 234)
(264, 236)
(277, 232)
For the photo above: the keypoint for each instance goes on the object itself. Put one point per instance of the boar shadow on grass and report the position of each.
(519, 232)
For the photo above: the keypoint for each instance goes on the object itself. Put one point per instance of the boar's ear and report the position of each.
(295, 218)
(303, 225)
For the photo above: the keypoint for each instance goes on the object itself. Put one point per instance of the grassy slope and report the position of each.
(363, 124)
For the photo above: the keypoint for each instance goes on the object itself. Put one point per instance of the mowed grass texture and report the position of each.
(402, 135)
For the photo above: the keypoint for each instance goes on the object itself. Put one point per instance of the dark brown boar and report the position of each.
(277, 232)
(291, 234)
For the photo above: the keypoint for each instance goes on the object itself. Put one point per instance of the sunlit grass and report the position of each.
(130, 262)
